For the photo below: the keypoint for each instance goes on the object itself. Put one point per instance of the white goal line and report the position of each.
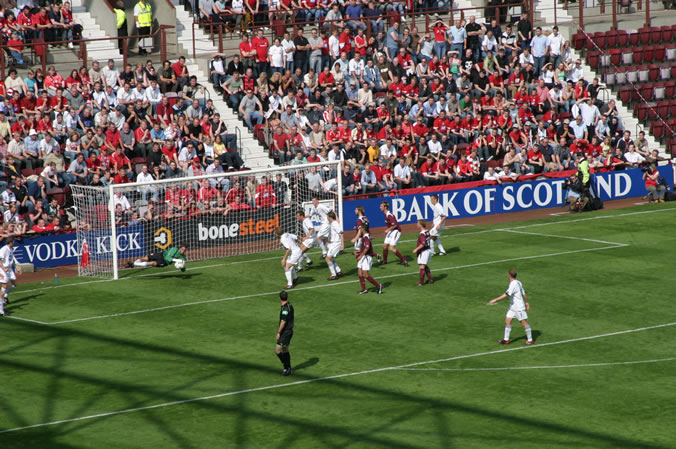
(333, 377)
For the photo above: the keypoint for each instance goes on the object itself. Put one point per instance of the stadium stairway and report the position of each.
(252, 152)
(567, 27)
(99, 50)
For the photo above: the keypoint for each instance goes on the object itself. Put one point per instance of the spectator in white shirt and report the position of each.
(146, 176)
(434, 146)
(214, 168)
(122, 200)
(402, 175)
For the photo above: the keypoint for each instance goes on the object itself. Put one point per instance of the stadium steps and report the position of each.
(99, 50)
(629, 122)
(252, 152)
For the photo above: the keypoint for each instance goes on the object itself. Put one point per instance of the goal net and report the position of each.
(215, 215)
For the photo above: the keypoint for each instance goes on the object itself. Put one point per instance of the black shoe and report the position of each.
(405, 262)
(287, 372)
(130, 264)
(340, 273)
(309, 263)
(6, 300)
(363, 292)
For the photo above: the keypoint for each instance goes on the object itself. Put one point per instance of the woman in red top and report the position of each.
(74, 79)
(53, 81)
(655, 190)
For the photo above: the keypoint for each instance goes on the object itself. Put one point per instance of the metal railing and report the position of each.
(39, 48)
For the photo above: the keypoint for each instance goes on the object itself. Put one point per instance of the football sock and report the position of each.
(140, 263)
(293, 273)
(307, 258)
(432, 242)
(529, 333)
(332, 269)
(508, 329)
(441, 247)
(428, 272)
(287, 360)
(373, 281)
(280, 356)
(10, 287)
(336, 267)
(399, 255)
(385, 255)
(289, 279)
(2, 302)
(322, 246)
(362, 283)
(422, 275)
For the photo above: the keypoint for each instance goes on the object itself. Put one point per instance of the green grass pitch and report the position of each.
(165, 359)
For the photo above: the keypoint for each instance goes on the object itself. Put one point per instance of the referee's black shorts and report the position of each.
(285, 338)
(158, 258)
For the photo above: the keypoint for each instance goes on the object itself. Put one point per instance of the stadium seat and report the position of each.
(609, 78)
(625, 94)
(611, 38)
(673, 71)
(643, 73)
(600, 39)
(659, 91)
(648, 54)
(593, 59)
(653, 72)
(634, 38)
(663, 109)
(657, 129)
(620, 76)
(622, 38)
(655, 35)
(660, 53)
(670, 88)
(637, 55)
(26, 172)
(672, 108)
(666, 33)
(644, 34)
(647, 91)
(640, 111)
(615, 56)
(632, 74)
(627, 56)
(671, 52)
(665, 73)
(579, 41)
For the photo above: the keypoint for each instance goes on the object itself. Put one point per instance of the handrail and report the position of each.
(82, 43)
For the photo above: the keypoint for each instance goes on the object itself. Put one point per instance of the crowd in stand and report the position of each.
(105, 125)
(407, 108)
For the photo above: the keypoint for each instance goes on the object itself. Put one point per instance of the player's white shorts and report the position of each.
(424, 257)
(294, 257)
(324, 230)
(365, 263)
(518, 314)
(392, 237)
(436, 233)
(310, 243)
(333, 250)
(5, 277)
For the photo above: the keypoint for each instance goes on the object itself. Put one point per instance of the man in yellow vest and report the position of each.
(121, 21)
(143, 15)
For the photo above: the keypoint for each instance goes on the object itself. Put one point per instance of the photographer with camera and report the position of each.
(654, 183)
(575, 194)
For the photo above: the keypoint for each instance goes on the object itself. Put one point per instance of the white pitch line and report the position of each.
(27, 319)
(75, 284)
(255, 295)
(510, 368)
(566, 237)
(336, 376)
(557, 214)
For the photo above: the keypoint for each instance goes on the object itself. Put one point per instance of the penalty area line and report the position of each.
(333, 377)
(517, 368)
(312, 287)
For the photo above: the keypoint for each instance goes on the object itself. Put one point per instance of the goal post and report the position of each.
(215, 215)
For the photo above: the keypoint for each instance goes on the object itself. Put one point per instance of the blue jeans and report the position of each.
(18, 56)
(355, 24)
(253, 115)
(316, 63)
(459, 48)
(537, 67)
(377, 26)
(440, 49)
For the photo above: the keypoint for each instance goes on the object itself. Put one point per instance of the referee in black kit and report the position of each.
(284, 333)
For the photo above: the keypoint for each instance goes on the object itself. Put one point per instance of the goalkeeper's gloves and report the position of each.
(177, 260)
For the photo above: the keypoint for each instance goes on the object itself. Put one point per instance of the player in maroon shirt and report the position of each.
(392, 234)
(364, 256)
(424, 253)
(361, 219)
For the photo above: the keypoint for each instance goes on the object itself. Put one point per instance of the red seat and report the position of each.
(672, 108)
(640, 111)
(663, 109)
(669, 89)
(593, 59)
(634, 38)
(647, 91)
(655, 35)
(648, 54)
(26, 172)
(667, 33)
(622, 38)
(615, 56)
(660, 53)
(652, 112)
(657, 129)
(611, 38)
(578, 41)
(600, 39)
(591, 40)
(644, 34)
(653, 72)
(625, 94)
(637, 53)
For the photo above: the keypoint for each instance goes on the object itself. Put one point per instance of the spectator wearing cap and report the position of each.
(32, 149)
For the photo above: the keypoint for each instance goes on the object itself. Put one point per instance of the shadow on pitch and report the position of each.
(17, 304)
(244, 413)
(455, 249)
(173, 275)
(307, 364)
(536, 335)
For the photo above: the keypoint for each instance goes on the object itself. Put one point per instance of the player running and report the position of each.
(392, 234)
(319, 214)
(336, 245)
(517, 308)
(175, 255)
(424, 253)
(309, 239)
(291, 256)
(439, 220)
(361, 218)
(365, 261)
(8, 264)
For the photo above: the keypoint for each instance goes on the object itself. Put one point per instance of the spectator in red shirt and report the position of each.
(265, 194)
(181, 71)
(261, 44)
(113, 138)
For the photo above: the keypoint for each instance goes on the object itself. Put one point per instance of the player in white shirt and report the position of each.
(439, 220)
(336, 245)
(319, 213)
(7, 276)
(291, 256)
(309, 239)
(517, 308)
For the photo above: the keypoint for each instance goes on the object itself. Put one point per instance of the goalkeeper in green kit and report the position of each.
(175, 255)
